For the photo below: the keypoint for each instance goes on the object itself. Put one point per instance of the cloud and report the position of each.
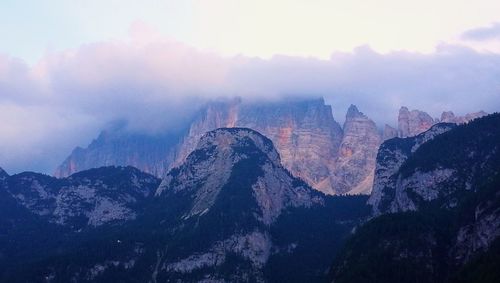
(153, 84)
(491, 32)
(453, 77)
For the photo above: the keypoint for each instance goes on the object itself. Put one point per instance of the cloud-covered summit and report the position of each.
(154, 83)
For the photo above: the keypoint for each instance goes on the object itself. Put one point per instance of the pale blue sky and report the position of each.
(29, 28)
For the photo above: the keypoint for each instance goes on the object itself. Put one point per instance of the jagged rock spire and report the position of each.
(356, 158)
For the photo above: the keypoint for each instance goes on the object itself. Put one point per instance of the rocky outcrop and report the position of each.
(311, 144)
(448, 178)
(217, 114)
(449, 117)
(355, 164)
(408, 174)
(389, 132)
(303, 131)
(209, 167)
(478, 235)
(414, 122)
(117, 146)
(254, 247)
(211, 173)
(391, 156)
(88, 198)
(227, 206)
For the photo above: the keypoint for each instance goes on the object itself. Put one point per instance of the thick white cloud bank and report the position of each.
(67, 97)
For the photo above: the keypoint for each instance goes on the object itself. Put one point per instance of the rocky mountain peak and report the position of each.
(88, 198)
(236, 161)
(353, 112)
(449, 117)
(404, 179)
(474, 115)
(391, 156)
(237, 140)
(302, 130)
(414, 122)
(448, 176)
(356, 158)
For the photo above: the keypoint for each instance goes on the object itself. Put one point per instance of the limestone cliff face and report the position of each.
(209, 166)
(449, 178)
(304, 133)
(89, 198)
(454, 161)
(118, 147)
(387, 195)
(233, 176)
(414, 122)
(355, 163)
(217, 114)
(449, 117)
(312, 145)
(389, 132)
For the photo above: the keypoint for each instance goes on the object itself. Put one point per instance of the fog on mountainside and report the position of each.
(153, 86)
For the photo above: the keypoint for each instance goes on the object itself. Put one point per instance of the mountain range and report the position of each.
(331, 158)
(435, 210)
(231, 208)
(231, 212)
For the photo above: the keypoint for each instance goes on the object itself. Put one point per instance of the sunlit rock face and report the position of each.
(312, 145)
(414, 122)
(449, 117)
(353, 173)
(303, 131)
(306, 136)
(217, 114)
